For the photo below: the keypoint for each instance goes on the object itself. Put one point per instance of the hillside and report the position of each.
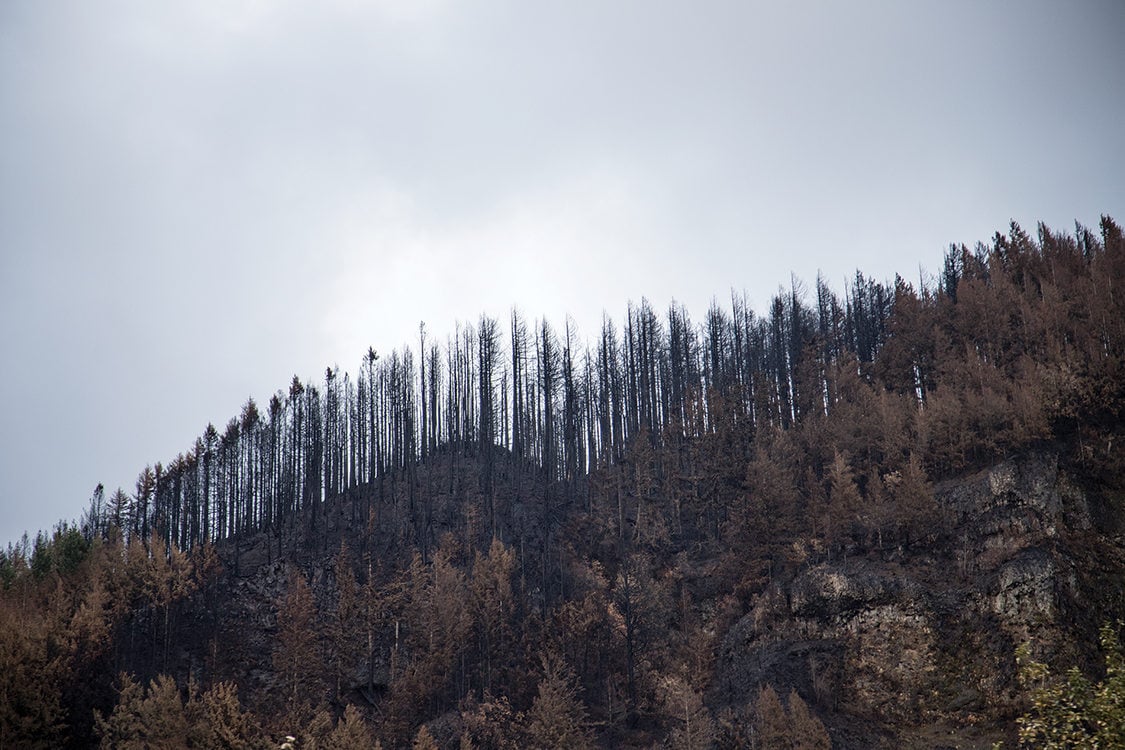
(837, 520)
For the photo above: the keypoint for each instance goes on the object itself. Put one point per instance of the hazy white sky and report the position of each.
(198, 200)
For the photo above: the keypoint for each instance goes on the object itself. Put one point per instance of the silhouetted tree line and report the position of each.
(563, 406)
(1017, 311)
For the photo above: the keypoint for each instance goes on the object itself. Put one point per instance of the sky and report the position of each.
(200, 200)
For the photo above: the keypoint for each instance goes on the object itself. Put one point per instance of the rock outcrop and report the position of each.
(915, 647)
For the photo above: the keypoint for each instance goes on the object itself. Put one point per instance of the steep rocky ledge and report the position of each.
(915, 648)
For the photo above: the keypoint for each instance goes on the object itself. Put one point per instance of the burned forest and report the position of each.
(887, 515)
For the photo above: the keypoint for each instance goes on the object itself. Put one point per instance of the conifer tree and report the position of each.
(770, 720)
(296, 654)
(350, 733)
(807, 731)
(144, 718)
(424, 740)
(693, 728)
(31, 714)
(558, 719)
(346, 632)
(219, 720)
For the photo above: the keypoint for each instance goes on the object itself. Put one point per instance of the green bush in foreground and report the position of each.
(1075, 712)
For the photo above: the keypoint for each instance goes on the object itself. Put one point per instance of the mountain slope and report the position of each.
(843, 516)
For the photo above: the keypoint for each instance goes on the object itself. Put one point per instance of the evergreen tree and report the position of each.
(296, 654)
(351, 733)
(558, 719)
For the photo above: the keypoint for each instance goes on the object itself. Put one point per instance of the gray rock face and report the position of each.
(926, 639)
(1026, 588)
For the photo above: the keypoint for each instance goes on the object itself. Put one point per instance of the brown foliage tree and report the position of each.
(795, 728)
(30, 712)
(492, 604)
(160, 717)
(557, 719)
(806, 730)
(490, 724)
(845, 504)
(770, 720)
(347, 633)
(424, 740)
(693, 727)
(350, 733)
(296, 654)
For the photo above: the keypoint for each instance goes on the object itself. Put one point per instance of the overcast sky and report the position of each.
(200, 199)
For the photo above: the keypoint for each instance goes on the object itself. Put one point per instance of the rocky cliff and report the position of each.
(915, 647)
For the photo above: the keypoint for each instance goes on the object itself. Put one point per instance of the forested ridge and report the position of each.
(514, 537)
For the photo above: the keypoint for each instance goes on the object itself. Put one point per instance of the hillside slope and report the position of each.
(833, 524)
(906, 646)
